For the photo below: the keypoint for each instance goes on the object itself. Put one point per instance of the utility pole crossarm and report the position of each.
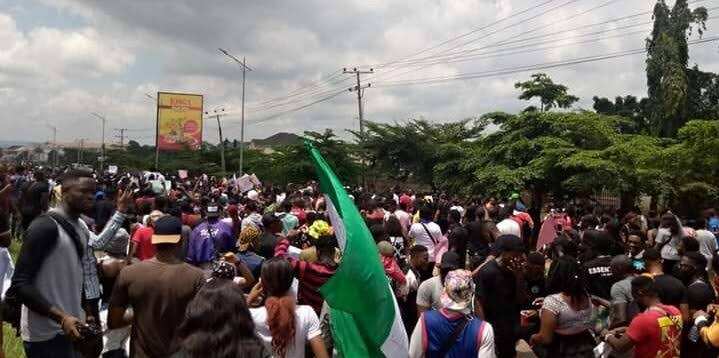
(358, 88)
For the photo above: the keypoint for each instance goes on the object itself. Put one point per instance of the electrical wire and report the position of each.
(541, 66)
(481, 28)
(584, 12)
(297, 109)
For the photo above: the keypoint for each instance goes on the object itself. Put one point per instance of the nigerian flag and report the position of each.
(364, 315)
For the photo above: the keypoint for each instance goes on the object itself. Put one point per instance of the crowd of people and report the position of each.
(152, 265)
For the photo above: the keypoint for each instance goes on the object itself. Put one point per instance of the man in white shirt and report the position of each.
(508, 226)
(707, 240)
(426, 232)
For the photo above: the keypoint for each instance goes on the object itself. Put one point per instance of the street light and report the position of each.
(102, 158)
(242, 126)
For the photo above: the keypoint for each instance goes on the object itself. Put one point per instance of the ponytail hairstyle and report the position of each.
(277, 276)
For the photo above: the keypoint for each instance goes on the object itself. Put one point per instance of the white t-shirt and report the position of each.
(707, 245)
(420, 236)
(307, 327)
(509, 227)
(429, 293)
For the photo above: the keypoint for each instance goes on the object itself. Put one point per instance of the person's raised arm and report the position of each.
(99, 242)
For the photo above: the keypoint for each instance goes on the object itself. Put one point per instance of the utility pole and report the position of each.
(102, 158)
(218, 113)
(245, 68)
(359, 89)
(54, 144)
(79, 152)
(121, 136)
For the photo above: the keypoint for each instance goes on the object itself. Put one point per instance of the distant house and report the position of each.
(269, 144)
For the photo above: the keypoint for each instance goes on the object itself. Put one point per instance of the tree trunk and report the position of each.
(535, 211)
(627, 201)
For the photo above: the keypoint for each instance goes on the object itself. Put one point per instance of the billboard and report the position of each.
(179, 121)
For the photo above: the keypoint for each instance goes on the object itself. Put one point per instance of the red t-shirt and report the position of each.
(143, 239)
(656, 333)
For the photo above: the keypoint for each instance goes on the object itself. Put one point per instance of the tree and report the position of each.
(667, 58)
(550, 94)
(703, 96)
(627, 107)
(411, 150)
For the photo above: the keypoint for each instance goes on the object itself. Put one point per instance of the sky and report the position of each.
(60, 60)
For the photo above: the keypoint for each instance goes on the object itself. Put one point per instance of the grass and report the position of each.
(12, 345)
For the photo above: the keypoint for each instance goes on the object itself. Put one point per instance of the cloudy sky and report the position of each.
(62, 59)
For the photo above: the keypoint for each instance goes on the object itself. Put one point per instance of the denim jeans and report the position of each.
(58, 347)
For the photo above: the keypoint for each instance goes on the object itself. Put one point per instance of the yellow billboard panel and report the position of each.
(179, 121)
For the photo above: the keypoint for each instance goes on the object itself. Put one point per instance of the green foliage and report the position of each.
(413, 149)
(667, 57)
(627, 107)
(550, 94)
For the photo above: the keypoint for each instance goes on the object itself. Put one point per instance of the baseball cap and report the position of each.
(167, 230)
(509, 243)
(213, 210)
(458, 290)
(450, 260)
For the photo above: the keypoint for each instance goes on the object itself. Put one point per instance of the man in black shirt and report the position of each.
(691, 270)
(34, 198)
(599, 272)
(498, 294)
(272, 226)
(671, 290)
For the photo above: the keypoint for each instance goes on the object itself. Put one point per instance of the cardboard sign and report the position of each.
(244, 184)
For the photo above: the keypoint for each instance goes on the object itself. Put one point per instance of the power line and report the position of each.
(534, 67)
(327, 78)
(297, 109)
(505, 28)
(502, 43)
(297, 92)
(484, 27)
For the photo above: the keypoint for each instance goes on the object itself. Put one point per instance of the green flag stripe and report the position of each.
(362, 305)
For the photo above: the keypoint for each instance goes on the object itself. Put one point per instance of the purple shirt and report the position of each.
(208, 239)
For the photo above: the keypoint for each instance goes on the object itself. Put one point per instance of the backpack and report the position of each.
(11, 307)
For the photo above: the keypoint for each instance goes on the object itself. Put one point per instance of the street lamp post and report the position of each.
(245, 68)
(102, 158)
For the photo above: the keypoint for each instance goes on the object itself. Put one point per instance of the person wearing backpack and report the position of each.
(426, 232)
(51, 278)
(453, 330)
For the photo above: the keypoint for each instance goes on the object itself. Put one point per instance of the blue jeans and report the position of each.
(58, 347)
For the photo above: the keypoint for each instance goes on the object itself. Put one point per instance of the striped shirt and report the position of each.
(91, 282)
(311, 275)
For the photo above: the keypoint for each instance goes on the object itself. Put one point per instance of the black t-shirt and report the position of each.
(536, 289)
(497, 290)
(268, 241)
(599, 276)
(32, 198)
(699, 295)
(671, 290)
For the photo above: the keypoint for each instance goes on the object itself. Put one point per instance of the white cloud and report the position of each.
(123, 49)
